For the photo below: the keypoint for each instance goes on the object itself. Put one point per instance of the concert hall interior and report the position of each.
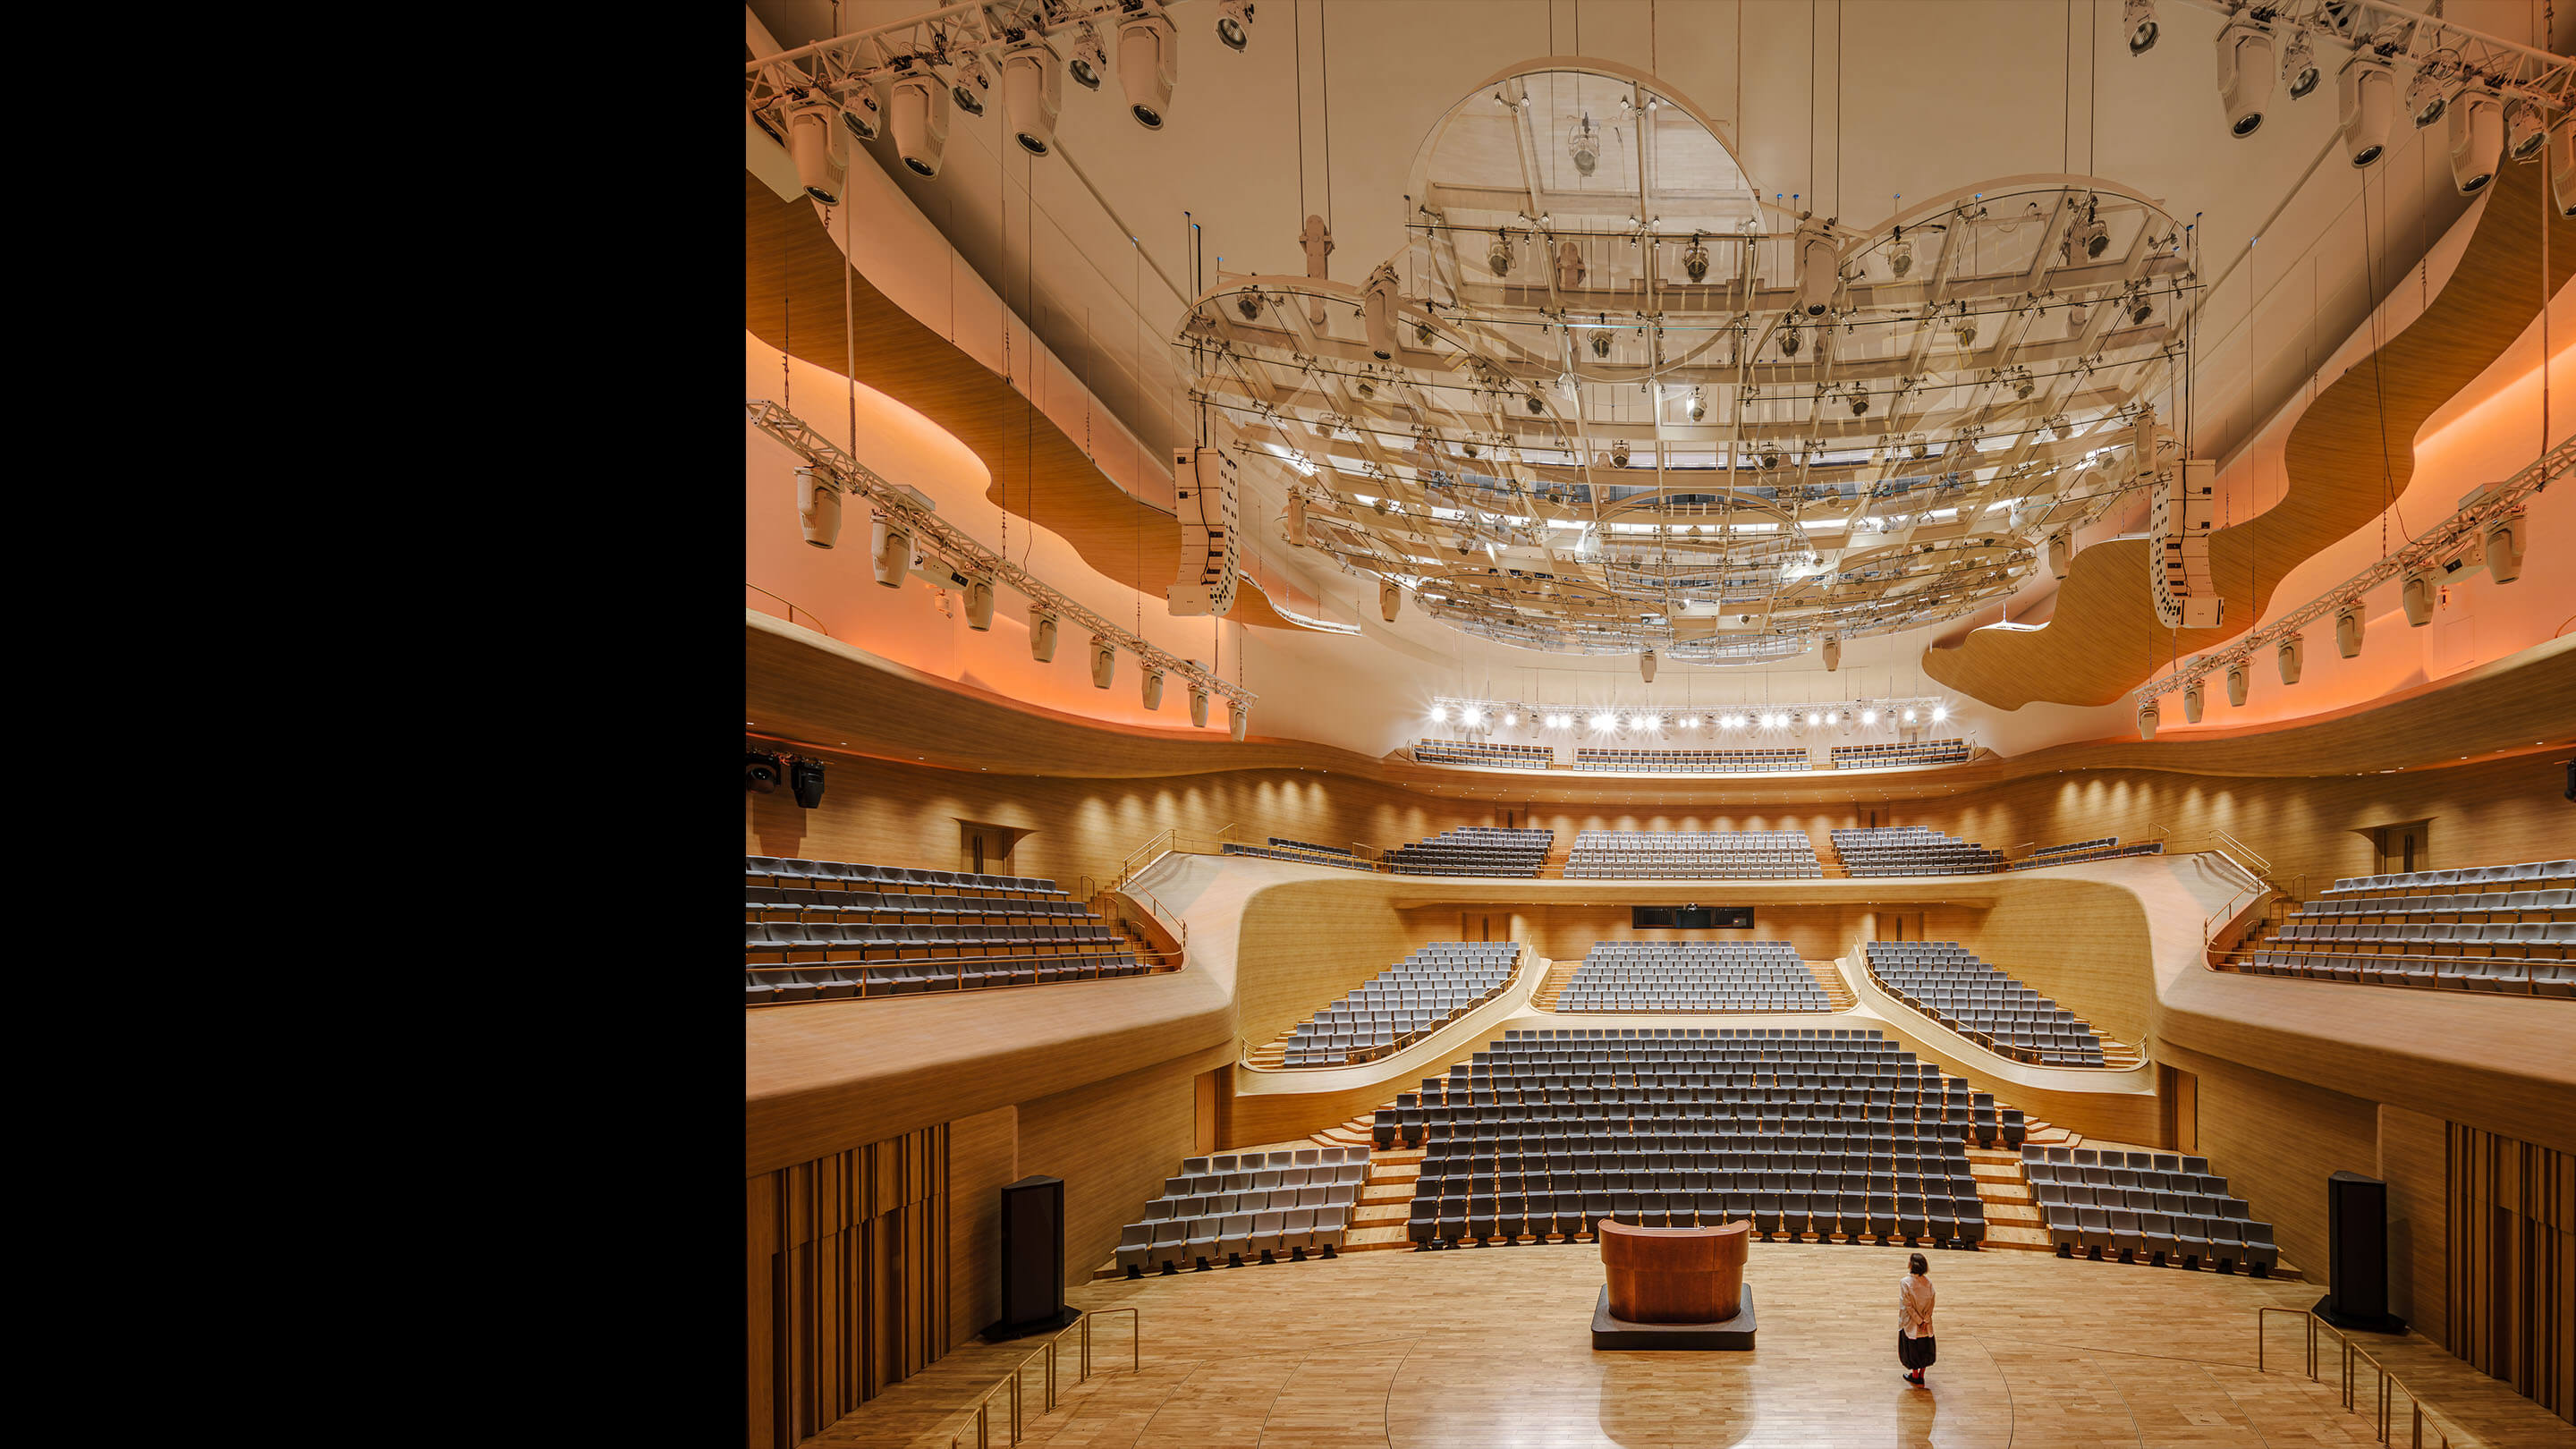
(1819, 632)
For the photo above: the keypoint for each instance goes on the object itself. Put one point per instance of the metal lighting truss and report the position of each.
(934, 534)
(1490, 712)
(937, 42)
(1609, 398)
(2442, 541)
(2399, 34)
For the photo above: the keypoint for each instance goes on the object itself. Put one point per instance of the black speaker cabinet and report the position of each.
(2357, 1255)
(1032, 1259)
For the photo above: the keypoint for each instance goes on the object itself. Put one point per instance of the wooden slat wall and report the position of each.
(848, 1281)
(2512, 1302)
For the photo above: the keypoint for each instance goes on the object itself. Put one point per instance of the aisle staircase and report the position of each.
(1560, 974)
(1838, 993)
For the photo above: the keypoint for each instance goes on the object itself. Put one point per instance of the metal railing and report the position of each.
(1016, 1382)
(793, 609)
(2389, 1385)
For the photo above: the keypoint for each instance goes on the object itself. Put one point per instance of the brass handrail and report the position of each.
(2389, 1384)
(1016, 1380)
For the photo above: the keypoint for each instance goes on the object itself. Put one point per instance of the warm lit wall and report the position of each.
(2065, 939)
(1113, 1143)
(1307, 944)
(2277, 1140)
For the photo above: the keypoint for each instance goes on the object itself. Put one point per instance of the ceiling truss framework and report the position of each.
(1608, 400)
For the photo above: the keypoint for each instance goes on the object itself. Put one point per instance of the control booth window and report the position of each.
(1692, 918)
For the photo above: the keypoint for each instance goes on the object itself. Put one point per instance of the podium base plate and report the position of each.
(1727, 1334)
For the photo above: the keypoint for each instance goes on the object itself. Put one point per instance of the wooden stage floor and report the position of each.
(1491, 1347)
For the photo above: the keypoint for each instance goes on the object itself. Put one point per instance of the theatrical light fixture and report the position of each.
(2141, 308)
(1900, 257)
(762, 770)
(812, 141)
(2147, 717)
(1511, 721)
(2299, 66)
(818, 508)
(2503, 543)
(889, 551)
(1379, 298)
(2193, 700)
(2245, 76)
(2525, 129)
(1690, 722)
(1909, 716)
(1600, 342)
(2236, 683)
(2348, 628)
(2089, 237)
(1811, 716)
(1153, 689)
(1471, 715)
(1090, 59)
(1390, 599)
(2291, 655)
(1695, 260)
(805, 777)
(2364, 107)
(2415, 594)
(1499, 256)
(1640, 723)
(1818, 270)
(1583, 143)
(1238, 719)
(1569, 266)
(1198, 707)
(1833, 716)
(2477, 141)
(1149, 63)
(920, 123)
(2138, 18)
(1619, 453)
(2428, 94)
(970, 87)
(1439, 714)
(1940, 712)
(1833, 651)
(1042, 636)
(1869, 716)
(979, 604)
(1234, 23)
(1605, 721)
(1646, 665)
(1788, 341)
(1698, 406)
(1033, 93)
(864, 113)
(1104, 663)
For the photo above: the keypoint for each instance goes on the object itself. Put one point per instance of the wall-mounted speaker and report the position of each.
(2357, 1255)
(1032, 1259)
(806, 778)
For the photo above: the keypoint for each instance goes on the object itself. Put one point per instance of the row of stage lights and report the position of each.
(1475, 717)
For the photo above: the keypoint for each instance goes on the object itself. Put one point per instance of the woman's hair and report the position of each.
(1915, 1264)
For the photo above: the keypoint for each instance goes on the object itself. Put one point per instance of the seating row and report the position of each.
(1911, 850)
(770, 985)
(1476, 850)
(1697, 854)
(791, 942)
(1401, 1004)
(1691, 762)
(1252, 1213)
(1943, 1220)
(2112, 851)
(1302, 856)
(846, 875)
(2525, 875)
(2506, 975)
(1477, 752)
(778, 903)
(1974, 998)
(1879, 757)
(1693, 976)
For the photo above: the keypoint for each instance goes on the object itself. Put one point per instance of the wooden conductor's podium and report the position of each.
(1674, 1288)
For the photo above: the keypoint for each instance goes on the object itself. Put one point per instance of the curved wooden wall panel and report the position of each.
(2102, 638)
(791, 284)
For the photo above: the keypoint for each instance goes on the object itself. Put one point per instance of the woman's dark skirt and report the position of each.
(1915, 1353)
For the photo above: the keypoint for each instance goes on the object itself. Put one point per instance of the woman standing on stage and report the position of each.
(1914, 1346)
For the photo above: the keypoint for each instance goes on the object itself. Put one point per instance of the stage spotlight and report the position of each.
(2525, 129)
(1569, 266)
(1940, 712)
(2147, 718)
(1909, 716)
(1619, 453)
(1788, 341)
(2291, 655)
(2138, 18)
(2061, 554)
(2141, 308)
(1104, 663)
(1390, 600)
(1090, 59)
(2364, 106)
(812, 143)
(2427, 96)
(1833, 717)
(890, 551)
(2245, 77)
(1859, 402)
(1966, 332)
(1042, 634)
(1646, 665)
(2299, 66)
(1811, 716)
(1471, 716)
(2236, 681)
(1198, 706)
(969, 90)
(2192, 702)
(920, 123)
(2477, 141)
(805, 777)
(1499, 256)
(1439, 714)
(1033, 93)
(979, 604)
(818, 509)
(1511, 721)
(2504, 548)
(2415, 594)
(1641, 723)
(1379, 299)
(1833, 654)
(1149, 64)
(761, 771)
(1234, 23)
(1900, 257)
(1698, 406)
(2348, 629)
(1605, 721)
(1153, 689)
(2088, 238)
(1690, 722)
(1238, 719)
(863, 111)
(1818, 267)
(1869, 716)
(1296, 520)
(1695, 260)
(2562, 167)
